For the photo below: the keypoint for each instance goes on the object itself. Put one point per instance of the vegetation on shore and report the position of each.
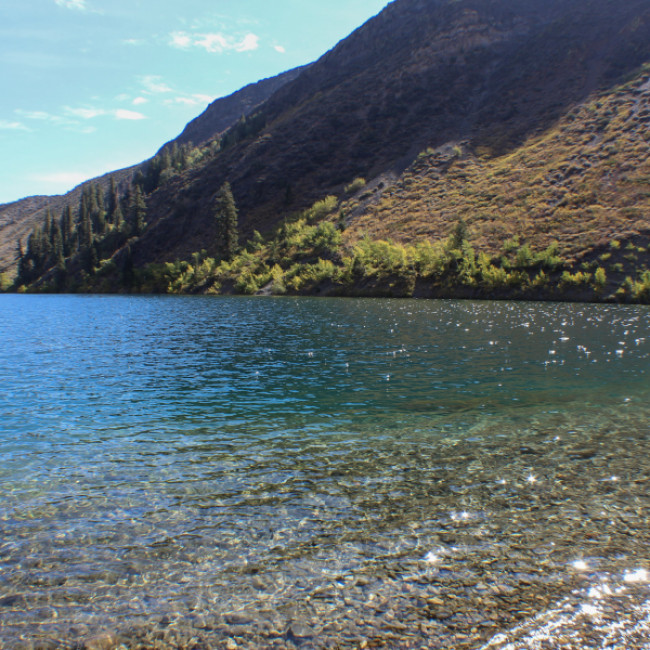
(562, 217)
(313, 254)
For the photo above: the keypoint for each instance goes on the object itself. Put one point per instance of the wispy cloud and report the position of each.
(72, 4)
(196, 99)
(154, 85)
(5, 125)
(181, 40)
(123, 114)
(84, 113)
(138, 101)
(215, 43)
(65, 179)
(249, 43)
(74, 119)
(279, 48)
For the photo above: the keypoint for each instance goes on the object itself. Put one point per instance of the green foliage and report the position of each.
(459, 235)
(226, 220)
(321, 209)
(638, 290)
(600, 278)
(431, 260)
(525, 257)
(356, 185)
(245, 128)
(381, 258)
(138, 211)
(569, 279)
(550, 257)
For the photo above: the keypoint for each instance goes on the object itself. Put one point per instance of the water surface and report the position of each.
(323, 473)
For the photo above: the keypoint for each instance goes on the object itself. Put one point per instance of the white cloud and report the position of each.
(215, 43)
(212, 42)
(204, 99)
(35, 115)
(65, 179)
(279, 48)
(72, 4)
(84, 113)
(122, 114)
(154, 84)
(138, 101)
(249, 43)
(181, 40)
(5, 125)
(191, 100)
(188, 101)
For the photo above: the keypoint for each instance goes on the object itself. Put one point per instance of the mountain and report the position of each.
(419, 75)
(510, 123)
(18, 218)
(223, 113)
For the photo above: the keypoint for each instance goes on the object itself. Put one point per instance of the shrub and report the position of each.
(525, 257)
(355, 185)
(278, 286)
(321, 209)
(600, 278)
(430, 260)
(325, 238)
(550, 257)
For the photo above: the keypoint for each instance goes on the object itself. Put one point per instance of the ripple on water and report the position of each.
(217, 482)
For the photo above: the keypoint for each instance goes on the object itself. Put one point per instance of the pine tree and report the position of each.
(118, 216)
(113, 201)
(138, 211)
(22, 264)
(226, 218)
(57, 247)
(67, 231)
(85, 232)
(99, 210)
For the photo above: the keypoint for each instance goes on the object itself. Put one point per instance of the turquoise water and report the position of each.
(318, 473)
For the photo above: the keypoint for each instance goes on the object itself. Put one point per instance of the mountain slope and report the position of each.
(422, 73)
(223, 113)
(17, 219)
(506, 124)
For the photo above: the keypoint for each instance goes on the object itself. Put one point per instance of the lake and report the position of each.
(209, 472)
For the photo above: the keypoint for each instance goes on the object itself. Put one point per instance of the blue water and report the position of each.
(270, 470)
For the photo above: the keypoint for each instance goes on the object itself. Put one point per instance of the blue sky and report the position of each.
(89, 86)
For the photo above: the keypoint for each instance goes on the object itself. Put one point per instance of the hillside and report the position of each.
(421, 74)
(17, 219)
(223, 113)
(511, 124)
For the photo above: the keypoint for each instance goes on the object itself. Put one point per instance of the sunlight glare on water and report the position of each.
(318, 473)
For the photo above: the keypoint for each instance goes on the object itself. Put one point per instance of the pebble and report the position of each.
(101, 642)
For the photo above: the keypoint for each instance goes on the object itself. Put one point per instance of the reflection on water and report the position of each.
(323, 473)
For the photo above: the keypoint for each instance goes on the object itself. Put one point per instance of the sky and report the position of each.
(91, 86)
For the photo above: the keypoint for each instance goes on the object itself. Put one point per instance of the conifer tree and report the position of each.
(138, 211)
(58, 257)
(113, 201)
(67, 231)
(226, 218)
(22, 264)
(99, 210)
(85, 231)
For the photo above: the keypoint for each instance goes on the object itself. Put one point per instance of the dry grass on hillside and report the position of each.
(584, 183)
